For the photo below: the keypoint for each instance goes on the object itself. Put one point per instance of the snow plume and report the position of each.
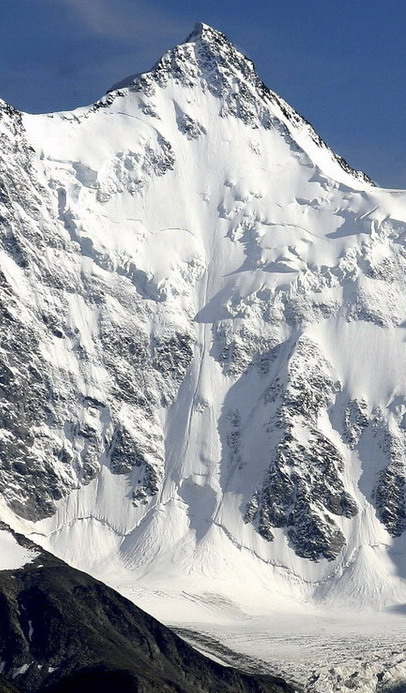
(128, 20)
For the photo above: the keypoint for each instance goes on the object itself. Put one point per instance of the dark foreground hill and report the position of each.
(63, 631)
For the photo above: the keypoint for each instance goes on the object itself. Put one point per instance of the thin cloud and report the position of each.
(129, 21)
(141, 33)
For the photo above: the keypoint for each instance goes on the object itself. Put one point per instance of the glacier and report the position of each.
(202, 358)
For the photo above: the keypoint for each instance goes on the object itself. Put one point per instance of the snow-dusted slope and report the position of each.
(203, 343)
(13, 556)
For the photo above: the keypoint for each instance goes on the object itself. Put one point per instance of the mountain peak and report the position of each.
(208, 60)
(205, 32)
(199, 56)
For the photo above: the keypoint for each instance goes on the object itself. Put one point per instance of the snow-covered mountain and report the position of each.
(202, 359)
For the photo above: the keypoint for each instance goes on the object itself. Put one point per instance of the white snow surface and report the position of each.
(13, 556)
(205, 206)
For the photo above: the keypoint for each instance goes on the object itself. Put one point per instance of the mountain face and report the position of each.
(202, 356)
(62, 630)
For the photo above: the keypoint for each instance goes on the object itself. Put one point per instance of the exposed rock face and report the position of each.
(59, 423)
(7, 686)
(304, 486)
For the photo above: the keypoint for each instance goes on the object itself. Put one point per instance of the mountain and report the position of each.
(62, 630)
(202, 358)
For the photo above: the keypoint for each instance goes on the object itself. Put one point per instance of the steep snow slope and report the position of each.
(13, 556)
(203, 345)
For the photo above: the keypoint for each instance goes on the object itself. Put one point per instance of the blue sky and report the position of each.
(341, 64)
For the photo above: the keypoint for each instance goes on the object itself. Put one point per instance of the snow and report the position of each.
(321, 653)
(12, 555)
(18, 671)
